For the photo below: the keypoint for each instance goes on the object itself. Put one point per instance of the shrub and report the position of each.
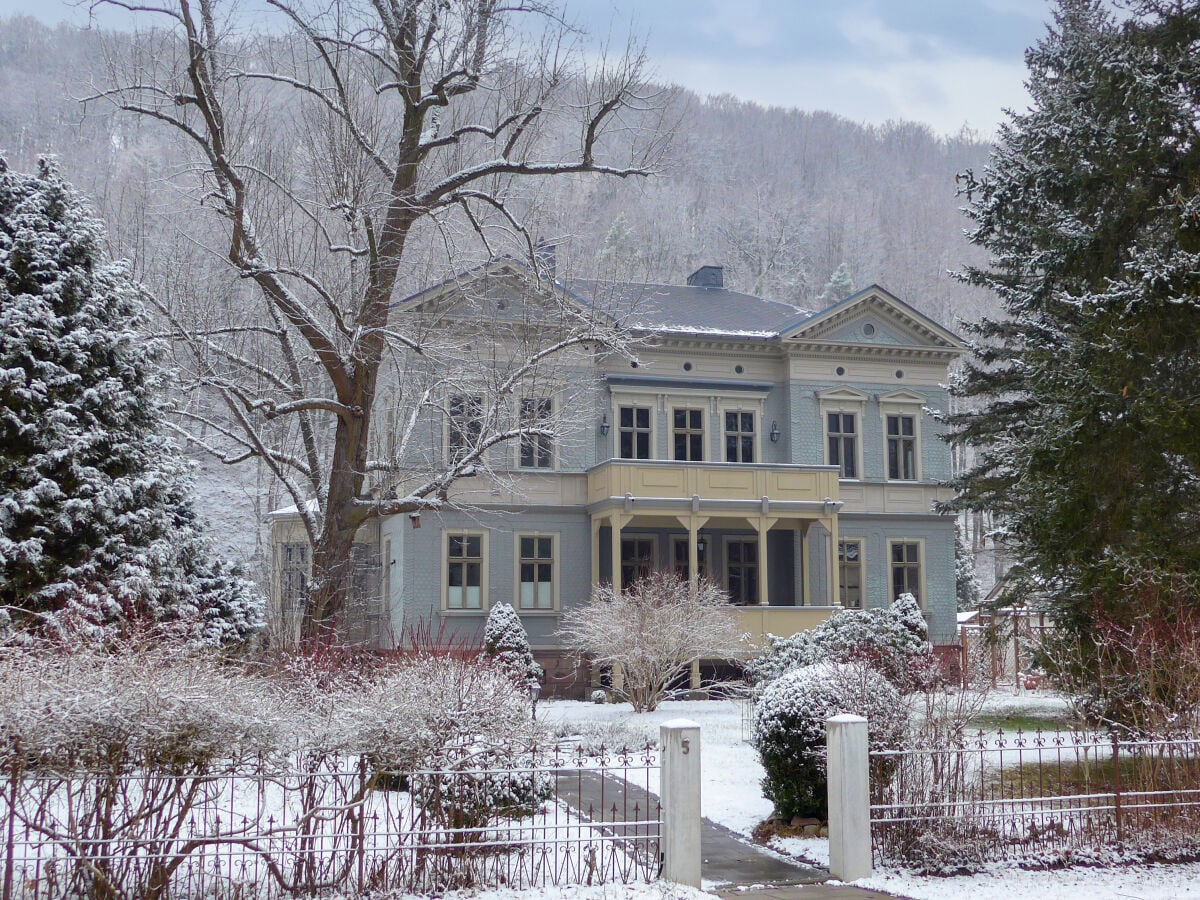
(505, 640)
(891, 641)
(651, 632)
(789, 729)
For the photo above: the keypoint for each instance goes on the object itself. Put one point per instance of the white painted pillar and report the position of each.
(679, 740)
(849, 798)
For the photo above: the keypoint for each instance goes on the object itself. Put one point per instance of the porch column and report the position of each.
(615, 522)
(595, 551)
(834, 571)
(805, 600)
(762, 526)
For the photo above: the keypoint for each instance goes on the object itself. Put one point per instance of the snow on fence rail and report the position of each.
(306, 825)
(1040, 796)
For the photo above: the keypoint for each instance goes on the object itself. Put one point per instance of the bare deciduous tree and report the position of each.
(329, 152)
(652, 631)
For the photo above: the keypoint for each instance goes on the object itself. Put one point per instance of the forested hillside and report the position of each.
(798, 206)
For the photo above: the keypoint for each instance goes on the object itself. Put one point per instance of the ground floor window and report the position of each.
(850, 573)
(906, 569)
(293, 577)
(682, 568)
(464, 571)
(741, 571)
(535, 571)
(637, 558)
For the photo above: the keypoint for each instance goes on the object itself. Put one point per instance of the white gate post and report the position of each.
(679, 744)
(849, 798)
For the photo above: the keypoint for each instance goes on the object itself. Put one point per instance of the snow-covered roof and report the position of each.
(289, 512)
(687, 309)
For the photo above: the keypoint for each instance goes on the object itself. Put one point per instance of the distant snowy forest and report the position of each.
(798, 206)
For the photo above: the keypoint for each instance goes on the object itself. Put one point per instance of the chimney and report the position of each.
(707, 276)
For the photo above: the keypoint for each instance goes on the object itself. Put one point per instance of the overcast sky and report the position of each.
(947, 63)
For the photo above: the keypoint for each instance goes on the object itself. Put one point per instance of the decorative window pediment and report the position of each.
(911, 398)
(842, 395)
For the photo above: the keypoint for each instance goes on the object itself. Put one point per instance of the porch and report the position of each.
(746, 527)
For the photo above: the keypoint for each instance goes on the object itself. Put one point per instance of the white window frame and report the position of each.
(705, 429)
(638, 536)
(483, 570)
(636, 403)
(521, 440)
(555, 562)
(755, 408)
(862, 570)
(844, 401)
(921, 578)
(448, 418)
(760, 572)
(903, 403)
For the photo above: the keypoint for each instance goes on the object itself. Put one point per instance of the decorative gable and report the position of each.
(873, 318)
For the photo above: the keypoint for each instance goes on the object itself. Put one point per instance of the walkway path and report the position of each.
(730, 866)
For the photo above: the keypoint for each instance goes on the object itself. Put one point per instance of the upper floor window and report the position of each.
(536, 450)
(688, 433)
(842, 429)
(739, 437)
(633, 432)
(902, 447)
(465, 415)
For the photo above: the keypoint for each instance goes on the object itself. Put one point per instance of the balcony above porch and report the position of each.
(641, 486)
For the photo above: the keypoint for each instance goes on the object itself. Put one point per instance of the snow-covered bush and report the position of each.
(506, 641)
(599, 696)
(651, 632)
(97, 531)
(892, 641)
(789, 729)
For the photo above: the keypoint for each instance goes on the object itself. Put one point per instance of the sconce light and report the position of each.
(774, 432)
(701, 543)
(604, 426)
(415, 519)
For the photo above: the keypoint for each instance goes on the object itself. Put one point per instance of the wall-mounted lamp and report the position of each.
(701, 543)
(604, 426)
(415, 519)
(774, 432)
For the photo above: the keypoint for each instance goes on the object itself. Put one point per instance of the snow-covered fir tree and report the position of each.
(97, 530)
(1081, 401)
(839, 287)
(506, 641)
(966, 580)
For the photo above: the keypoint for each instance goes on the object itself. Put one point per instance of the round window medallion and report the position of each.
(687, 367)
(633, 365)
(841, 370)
(899, 373)
(868, 329)
(738, 369)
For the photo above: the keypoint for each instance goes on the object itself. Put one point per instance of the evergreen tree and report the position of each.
(1082, 399)
(966, 581)
(839, 287)
(97, 532)
(505, 640)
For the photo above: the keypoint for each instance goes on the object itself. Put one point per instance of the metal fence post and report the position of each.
(849, 798)
(679, 742)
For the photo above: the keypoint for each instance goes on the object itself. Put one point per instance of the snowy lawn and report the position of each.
(732, 797)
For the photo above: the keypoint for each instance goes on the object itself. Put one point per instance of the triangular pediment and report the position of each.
(873, 318)
(843, 395)
(504, 289)
(903, 396)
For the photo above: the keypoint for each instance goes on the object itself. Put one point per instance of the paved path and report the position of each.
(730, 866)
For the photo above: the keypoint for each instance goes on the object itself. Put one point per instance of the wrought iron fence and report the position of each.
(303, 826)
(973, 799)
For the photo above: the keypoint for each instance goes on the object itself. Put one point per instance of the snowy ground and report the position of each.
(732, 797)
